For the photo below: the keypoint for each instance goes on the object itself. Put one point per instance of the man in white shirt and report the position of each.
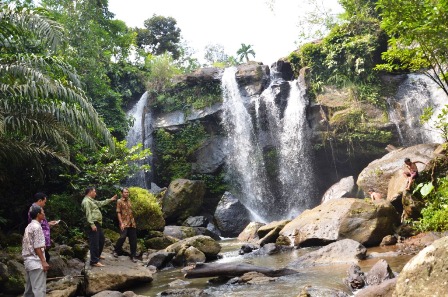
(33, 249)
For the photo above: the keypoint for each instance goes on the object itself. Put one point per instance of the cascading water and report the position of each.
(139, 134)
(269, 161)
(415, 94)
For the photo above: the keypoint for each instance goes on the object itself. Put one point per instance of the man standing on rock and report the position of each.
(91, 208)
(33, 246)
(40, 199)
(127, 225)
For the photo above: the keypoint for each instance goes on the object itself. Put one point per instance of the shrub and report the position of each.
(147, 211)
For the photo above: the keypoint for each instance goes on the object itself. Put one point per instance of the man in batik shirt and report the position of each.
(33, 246)
(127, 225)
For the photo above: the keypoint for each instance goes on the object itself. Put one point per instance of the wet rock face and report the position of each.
(231, 216)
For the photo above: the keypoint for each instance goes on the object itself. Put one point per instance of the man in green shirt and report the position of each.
(91, 208)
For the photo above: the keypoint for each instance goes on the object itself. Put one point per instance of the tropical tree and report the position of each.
(42, 106)
(244, 52)
(160, 35)
(418, 31)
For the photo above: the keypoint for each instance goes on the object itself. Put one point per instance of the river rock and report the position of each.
(249, 233)
(425, 274)
(264, 230)
(65, 287)
(344, 188)
(208, 246)
(313, 291)
(118, 274)
(379, 172)
(182, 232)
(116, 294)
(182, 199)
(385, 289)
(159, 259)
(231, 216)
(198, 221)
(187, 292)
(356, 279)
(342, 251)
(357, 219)
(14, 276)
(379, 273)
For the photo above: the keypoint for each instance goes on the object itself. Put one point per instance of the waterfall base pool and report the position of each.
(323, 277)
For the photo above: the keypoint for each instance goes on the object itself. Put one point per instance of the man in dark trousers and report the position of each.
(91, 208)
(127, 225)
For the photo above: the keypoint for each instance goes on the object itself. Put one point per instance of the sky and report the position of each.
(271, 33)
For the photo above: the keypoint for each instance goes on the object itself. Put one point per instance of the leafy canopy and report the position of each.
(418, 31)
(42, 106)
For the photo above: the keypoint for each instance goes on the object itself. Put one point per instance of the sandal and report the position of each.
(98, 265)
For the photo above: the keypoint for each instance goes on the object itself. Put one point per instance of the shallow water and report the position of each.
(330, 277)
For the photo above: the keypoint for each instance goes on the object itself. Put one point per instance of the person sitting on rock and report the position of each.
(375, 196)
(411, 171)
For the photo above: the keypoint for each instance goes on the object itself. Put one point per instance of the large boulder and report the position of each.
(425, 274)
(252, 77)
(250, 232)
(379, 172)
(205, 244)
(357, 219)
(116, 275)
(344, 188)
(231, 216)
(182, 199)
(182, 232)
(342, 251)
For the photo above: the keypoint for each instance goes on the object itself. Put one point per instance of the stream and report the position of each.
(323, 277)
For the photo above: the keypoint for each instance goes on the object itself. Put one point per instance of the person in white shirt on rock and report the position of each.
(33, 253)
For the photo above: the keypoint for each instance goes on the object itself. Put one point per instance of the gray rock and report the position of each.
(357, 219)
(198, 221)
(231, 216)
(385, 289)
(159, 259)
(118, 274)
(344, 188)
(250, 232)
(425, 274)
(379, 273)
(379, 173)
(209, 158)
(182, 199)
(342, 251)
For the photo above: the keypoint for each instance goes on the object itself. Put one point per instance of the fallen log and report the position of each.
(232, 270)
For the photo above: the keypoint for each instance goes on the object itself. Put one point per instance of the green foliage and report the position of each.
(435, 214)
(184, 96)
(244, 51)
(214, 185)
(160, 35)
(42, 107)
(147, 211)
(94, 43)
(106, 169)
(162, 70)
(174, 149)
(418, 31)
(345, 58)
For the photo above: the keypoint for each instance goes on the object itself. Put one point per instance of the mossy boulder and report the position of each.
(159, 243)
(147, 211)
(183, 199)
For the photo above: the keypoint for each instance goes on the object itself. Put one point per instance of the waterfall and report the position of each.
(268, 155)
(139, 134)
(416, 93)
